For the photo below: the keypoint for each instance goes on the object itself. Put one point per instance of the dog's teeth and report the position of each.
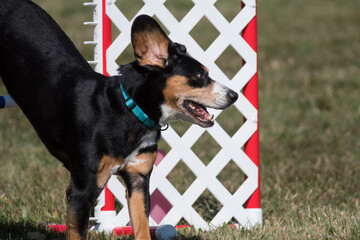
(210, 117)
(191, 106)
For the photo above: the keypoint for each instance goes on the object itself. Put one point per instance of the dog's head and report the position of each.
(186, 88)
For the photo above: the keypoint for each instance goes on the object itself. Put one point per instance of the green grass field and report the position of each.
(309, 135)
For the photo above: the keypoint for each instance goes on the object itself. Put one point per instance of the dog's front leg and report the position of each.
(137, 178)
(80, 196)
(138, 203)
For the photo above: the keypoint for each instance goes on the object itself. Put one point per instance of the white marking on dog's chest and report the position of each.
(148, 140)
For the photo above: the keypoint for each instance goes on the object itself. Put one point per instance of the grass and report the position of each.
(309, 134)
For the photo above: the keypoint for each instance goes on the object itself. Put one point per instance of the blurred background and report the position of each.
(309, 116)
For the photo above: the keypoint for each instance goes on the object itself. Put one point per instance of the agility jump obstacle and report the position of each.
(168, 206)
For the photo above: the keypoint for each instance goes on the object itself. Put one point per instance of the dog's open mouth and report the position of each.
(199, 112)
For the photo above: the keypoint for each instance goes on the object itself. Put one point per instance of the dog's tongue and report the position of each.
(201, 112)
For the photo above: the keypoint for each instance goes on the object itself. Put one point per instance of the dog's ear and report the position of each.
(150, 42)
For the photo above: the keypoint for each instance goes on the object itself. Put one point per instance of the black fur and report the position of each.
(80, 115)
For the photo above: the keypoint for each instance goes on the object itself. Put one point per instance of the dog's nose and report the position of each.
(233, 96)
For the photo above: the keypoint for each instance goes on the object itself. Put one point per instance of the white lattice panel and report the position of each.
(181, 146)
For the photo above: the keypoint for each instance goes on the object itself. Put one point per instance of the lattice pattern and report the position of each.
(206, 176)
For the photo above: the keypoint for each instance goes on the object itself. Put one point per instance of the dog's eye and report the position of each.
(200, 76)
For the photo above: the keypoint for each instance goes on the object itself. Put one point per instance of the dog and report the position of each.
(98, 125)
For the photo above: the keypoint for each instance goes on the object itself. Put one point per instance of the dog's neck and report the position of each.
(144, 88)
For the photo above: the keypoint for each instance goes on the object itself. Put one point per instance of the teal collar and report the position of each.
(132, 106)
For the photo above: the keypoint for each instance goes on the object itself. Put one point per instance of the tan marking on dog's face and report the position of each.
(106, 165)
(144, 165)
(177, 90)
(139, 220)
(72, 231)
(151, 47)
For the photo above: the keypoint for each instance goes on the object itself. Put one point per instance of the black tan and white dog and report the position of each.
(97, 125)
